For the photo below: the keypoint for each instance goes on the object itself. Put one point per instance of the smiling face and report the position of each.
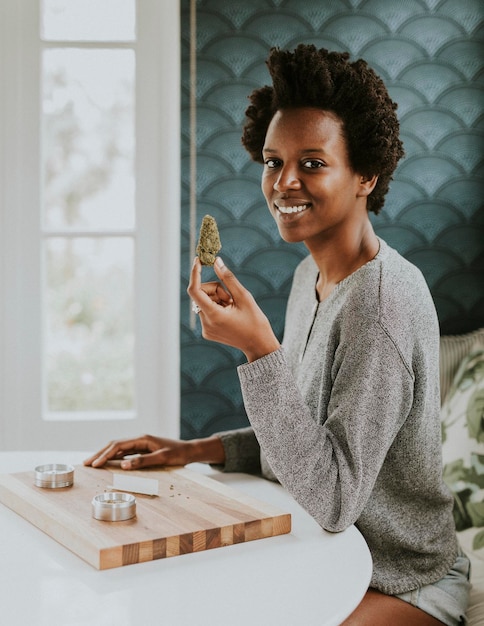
(310, 188)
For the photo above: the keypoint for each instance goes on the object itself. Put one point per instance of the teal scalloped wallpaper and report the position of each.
(431, 55)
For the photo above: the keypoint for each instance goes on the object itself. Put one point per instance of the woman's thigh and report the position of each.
(379, 609)
(443, 602)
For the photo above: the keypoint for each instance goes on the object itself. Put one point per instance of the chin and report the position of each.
(289, 237)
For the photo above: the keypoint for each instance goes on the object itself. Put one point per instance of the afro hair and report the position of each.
(309, 77)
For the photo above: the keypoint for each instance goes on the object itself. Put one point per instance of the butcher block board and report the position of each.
(191, 513)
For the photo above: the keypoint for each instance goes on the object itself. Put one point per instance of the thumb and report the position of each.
(229, 279)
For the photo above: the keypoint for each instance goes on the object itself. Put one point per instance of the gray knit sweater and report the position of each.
(347, 416)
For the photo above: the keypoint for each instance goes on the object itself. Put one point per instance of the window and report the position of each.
(90, 326)
(88, 207)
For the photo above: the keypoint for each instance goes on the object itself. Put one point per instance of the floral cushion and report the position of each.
(453, 348)
(463, 443)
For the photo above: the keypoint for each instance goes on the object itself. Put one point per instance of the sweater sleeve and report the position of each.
(330, 468)
(242, 451)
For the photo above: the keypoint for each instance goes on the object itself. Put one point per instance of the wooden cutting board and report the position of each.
(191, 513)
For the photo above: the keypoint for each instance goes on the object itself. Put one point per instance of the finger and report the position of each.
(223, 297)
(217, 293)
(144, 460)
(110, 454)
(115, 450)
(92, 458)
(195, 288)
(100, 457)
(236, 289)
(195, 278)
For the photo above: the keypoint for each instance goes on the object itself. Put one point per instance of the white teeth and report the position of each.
(292, 209)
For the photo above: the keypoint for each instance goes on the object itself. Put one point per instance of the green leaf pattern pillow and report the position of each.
(463, 443)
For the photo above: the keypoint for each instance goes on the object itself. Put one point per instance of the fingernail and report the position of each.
(195, 261)
(125, 464)
(219, 263)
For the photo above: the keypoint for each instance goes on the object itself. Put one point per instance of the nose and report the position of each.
(287, 179)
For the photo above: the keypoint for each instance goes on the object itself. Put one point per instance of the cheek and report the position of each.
(266, 187)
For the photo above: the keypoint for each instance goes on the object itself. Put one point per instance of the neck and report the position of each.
(339, 257)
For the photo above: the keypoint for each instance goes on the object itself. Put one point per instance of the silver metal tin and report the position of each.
(54, 476)
(113, 506)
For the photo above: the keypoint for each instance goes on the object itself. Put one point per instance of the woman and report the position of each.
(346, 412)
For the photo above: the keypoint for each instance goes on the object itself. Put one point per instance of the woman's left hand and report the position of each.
(229, 313)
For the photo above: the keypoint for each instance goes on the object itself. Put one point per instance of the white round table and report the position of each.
(308, 577)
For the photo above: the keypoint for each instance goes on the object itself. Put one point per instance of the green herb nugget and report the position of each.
(209, 241)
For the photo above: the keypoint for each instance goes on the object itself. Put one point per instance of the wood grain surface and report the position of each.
(192, 513)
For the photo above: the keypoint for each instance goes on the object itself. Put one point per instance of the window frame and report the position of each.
(157, 236)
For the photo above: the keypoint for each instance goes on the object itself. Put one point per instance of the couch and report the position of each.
(462, 417)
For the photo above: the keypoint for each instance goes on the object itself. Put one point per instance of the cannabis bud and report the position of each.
(209, 241)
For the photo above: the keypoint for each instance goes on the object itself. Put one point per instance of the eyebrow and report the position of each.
(305, 151)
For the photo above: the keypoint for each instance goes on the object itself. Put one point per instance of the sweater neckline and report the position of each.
(347, 279)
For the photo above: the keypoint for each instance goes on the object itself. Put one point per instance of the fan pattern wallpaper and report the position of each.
(431, 55)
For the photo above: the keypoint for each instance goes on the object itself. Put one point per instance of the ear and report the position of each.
(366, 185)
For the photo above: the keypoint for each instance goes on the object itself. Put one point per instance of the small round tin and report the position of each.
(54, 476)
(113, 506)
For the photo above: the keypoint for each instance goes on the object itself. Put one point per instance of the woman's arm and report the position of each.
(150, 450)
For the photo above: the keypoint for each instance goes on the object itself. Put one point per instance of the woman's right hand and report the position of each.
(150, 451)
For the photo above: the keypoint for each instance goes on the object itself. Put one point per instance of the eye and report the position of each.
(312, 164)
(272, 163)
